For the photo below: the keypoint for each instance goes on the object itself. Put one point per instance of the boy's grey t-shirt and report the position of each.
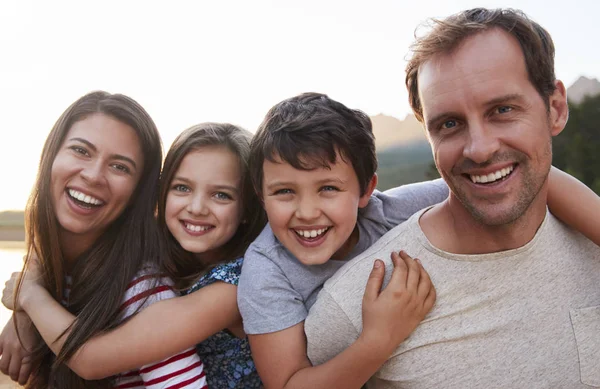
(276, 291)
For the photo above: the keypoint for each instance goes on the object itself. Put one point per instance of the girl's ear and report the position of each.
(364, 199)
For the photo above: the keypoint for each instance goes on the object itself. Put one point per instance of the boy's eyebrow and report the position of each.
(113, 156)
(329, 180)
(324, 181)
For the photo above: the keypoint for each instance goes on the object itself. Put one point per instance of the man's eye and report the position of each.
(449, 124)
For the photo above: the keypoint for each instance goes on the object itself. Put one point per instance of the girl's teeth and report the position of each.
(196, 228)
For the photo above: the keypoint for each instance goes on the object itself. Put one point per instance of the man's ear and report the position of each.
(559, 109)
(364, 199)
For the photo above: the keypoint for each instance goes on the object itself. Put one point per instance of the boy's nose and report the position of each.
(308, 210)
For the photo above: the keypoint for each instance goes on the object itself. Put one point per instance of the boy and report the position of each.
(313, 163)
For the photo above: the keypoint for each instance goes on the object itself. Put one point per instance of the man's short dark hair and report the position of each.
(309, 131)
(447, 34)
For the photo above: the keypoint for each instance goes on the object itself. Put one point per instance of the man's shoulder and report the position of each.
(353, 275)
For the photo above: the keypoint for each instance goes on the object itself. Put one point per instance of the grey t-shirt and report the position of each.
(522, 318)
(275, 290)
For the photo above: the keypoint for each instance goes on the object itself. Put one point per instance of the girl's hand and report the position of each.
(32, 279)
(391, 315)
(15, 360)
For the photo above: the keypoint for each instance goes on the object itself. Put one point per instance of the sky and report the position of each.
(188, 62)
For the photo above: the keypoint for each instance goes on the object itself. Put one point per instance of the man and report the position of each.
(518, 301)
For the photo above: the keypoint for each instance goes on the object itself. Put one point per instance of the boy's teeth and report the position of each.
(84, 198)
(310, 233)
(492, 176)
(195, 228)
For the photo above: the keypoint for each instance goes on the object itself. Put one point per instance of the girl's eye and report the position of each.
(504, 109)
(79, 150)
(283, 192)
(181, 188)
(223, 196)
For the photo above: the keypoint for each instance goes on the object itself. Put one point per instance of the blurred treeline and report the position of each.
(577, 149)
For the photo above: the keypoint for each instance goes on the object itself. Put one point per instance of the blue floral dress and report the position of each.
(227, 359)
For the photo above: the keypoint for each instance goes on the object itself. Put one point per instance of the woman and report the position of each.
(91, 227)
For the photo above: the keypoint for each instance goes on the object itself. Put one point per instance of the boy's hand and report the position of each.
(391, 315)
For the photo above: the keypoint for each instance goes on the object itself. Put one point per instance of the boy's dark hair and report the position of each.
(308, 131)
(447, 34)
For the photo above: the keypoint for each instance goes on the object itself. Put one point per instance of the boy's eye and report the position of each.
(223, 196)
(79, 150)
(283, 192)
(504, 109)
(329, 188)
(181, 188)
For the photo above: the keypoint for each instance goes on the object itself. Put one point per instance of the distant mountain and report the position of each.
(390, 131)
(581, 88)
(12, 218)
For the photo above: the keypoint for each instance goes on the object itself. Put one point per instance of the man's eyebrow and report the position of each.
(505, 99)
(113, 156)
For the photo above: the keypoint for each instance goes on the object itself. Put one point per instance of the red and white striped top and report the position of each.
(181, 371)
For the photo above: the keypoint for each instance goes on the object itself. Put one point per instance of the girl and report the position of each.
(208, 214)
(92, 236)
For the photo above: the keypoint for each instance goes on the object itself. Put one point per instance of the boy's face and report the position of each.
(313, 212)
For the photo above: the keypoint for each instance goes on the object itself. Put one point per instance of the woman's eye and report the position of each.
(79, 150)
(122, 168)
(181, 188)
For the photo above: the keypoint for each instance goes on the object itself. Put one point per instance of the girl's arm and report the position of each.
(574, 203)
(388, 318)
(183, 321)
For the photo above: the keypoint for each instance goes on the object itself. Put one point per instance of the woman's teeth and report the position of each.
(84, 198)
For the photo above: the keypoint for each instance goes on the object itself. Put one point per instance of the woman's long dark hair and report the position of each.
(182, 266)
(101, 274)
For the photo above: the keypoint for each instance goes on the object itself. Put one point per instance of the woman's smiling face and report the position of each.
(94, 175)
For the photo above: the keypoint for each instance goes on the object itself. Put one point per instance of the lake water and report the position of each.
(11, 260)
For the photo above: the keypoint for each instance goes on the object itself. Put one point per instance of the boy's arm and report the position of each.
(198, 316)
(398, 204)
(574, 203)
(389, 317)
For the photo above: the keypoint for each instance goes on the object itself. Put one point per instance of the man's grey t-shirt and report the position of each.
(276, 291)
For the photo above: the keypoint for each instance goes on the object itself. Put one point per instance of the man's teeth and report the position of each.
(311, 233)
(84, 198)
(495, 176)
(195, 228)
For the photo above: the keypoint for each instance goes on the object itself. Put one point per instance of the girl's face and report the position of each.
(203, 207)
(94, 175)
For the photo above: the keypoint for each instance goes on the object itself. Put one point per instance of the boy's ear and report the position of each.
(364, 199)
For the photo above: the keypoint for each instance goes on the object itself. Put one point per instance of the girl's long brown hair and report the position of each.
(101, 274)
(182, 266)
